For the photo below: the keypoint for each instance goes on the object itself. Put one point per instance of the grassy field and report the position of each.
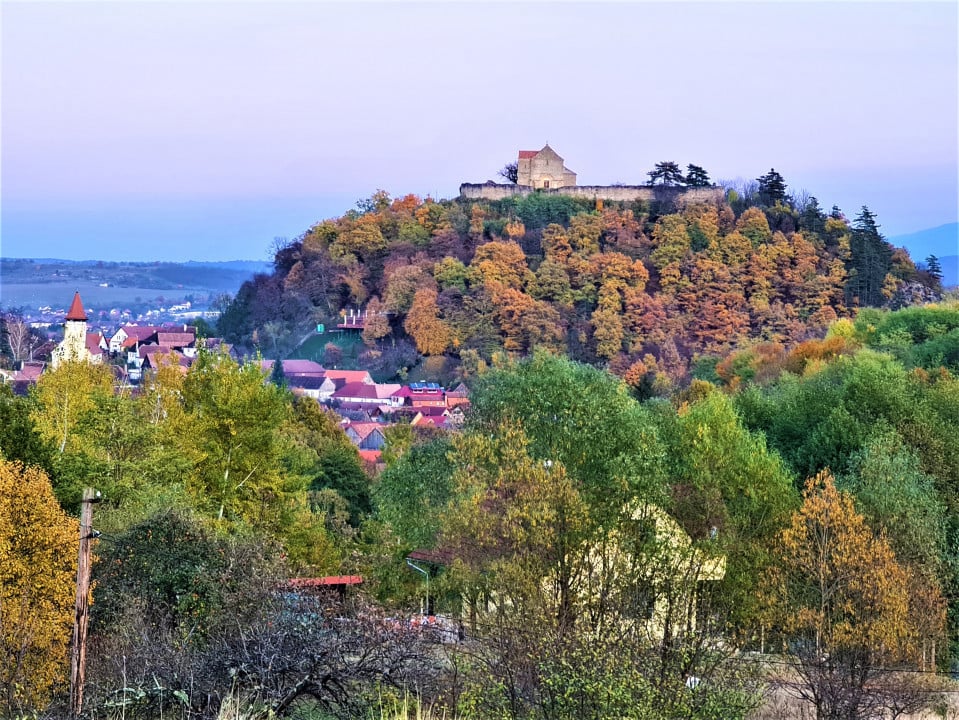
(349, 343)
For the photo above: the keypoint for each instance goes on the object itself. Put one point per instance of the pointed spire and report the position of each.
(76, 311)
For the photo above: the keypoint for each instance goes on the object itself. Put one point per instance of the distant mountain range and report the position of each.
(942, 241)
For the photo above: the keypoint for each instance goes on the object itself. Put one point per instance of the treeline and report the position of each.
(645, 289)
(596, 549)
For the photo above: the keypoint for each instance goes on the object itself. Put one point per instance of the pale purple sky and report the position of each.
(175, 131)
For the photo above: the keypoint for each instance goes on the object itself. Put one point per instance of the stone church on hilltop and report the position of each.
(543, 170)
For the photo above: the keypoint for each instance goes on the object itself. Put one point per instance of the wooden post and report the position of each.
(78, 648)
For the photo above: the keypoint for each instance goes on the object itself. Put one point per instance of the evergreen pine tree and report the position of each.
(697, 176)
(772, 188)
(934, 268)
(277, 376)
(666, 173)
(869, 262)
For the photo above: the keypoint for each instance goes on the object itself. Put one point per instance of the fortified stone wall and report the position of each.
(621, 193)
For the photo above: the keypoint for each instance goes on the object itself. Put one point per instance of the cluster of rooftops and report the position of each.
(366, 407)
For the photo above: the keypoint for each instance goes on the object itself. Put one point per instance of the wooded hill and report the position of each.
(643, 288)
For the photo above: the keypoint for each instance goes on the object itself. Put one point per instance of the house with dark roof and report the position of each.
(366, 436)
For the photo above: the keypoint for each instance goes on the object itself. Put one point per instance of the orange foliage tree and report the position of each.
(841, 600)
(431, 334)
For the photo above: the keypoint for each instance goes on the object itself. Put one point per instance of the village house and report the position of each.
(366, 436)
(666, 600)
(23, 377)
(460, 395)
(129, 336)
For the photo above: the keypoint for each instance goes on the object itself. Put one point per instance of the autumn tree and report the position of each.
(839, 596)
(430, 333)
(500, 263)
(377, 322)
(38, 554)
(402, 282)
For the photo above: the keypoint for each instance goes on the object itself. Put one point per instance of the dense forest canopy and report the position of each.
(646, 289)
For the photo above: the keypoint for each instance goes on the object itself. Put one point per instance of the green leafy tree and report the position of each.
(412, 494)
(19, 437)
(231, 429)
(728, 486)
(339, 470)
(585, 419)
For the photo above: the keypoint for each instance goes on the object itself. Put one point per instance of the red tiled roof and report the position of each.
(93, 343)
(527, 154)
(325, 581)
(371, 456)
(302, 367)
(386, 390)
(175, 339)
(76, 311)
(31, 370)
(357, 390)
(364, 429)
(138, 333)
(350, 376)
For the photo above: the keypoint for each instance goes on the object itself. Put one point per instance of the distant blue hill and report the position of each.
(942, 241)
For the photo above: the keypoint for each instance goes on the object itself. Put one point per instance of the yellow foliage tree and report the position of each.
(38, 555)
(842, 600)
(63, 396)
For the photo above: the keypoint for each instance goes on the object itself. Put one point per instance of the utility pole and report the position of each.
(78, 648)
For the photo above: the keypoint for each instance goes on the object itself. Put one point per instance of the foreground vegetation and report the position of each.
(788, 519)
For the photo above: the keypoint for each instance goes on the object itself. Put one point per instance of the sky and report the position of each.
(145, 130)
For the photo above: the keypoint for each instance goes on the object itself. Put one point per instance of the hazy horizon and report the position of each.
(204, 130)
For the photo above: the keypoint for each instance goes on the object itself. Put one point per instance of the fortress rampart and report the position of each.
(621, 193)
